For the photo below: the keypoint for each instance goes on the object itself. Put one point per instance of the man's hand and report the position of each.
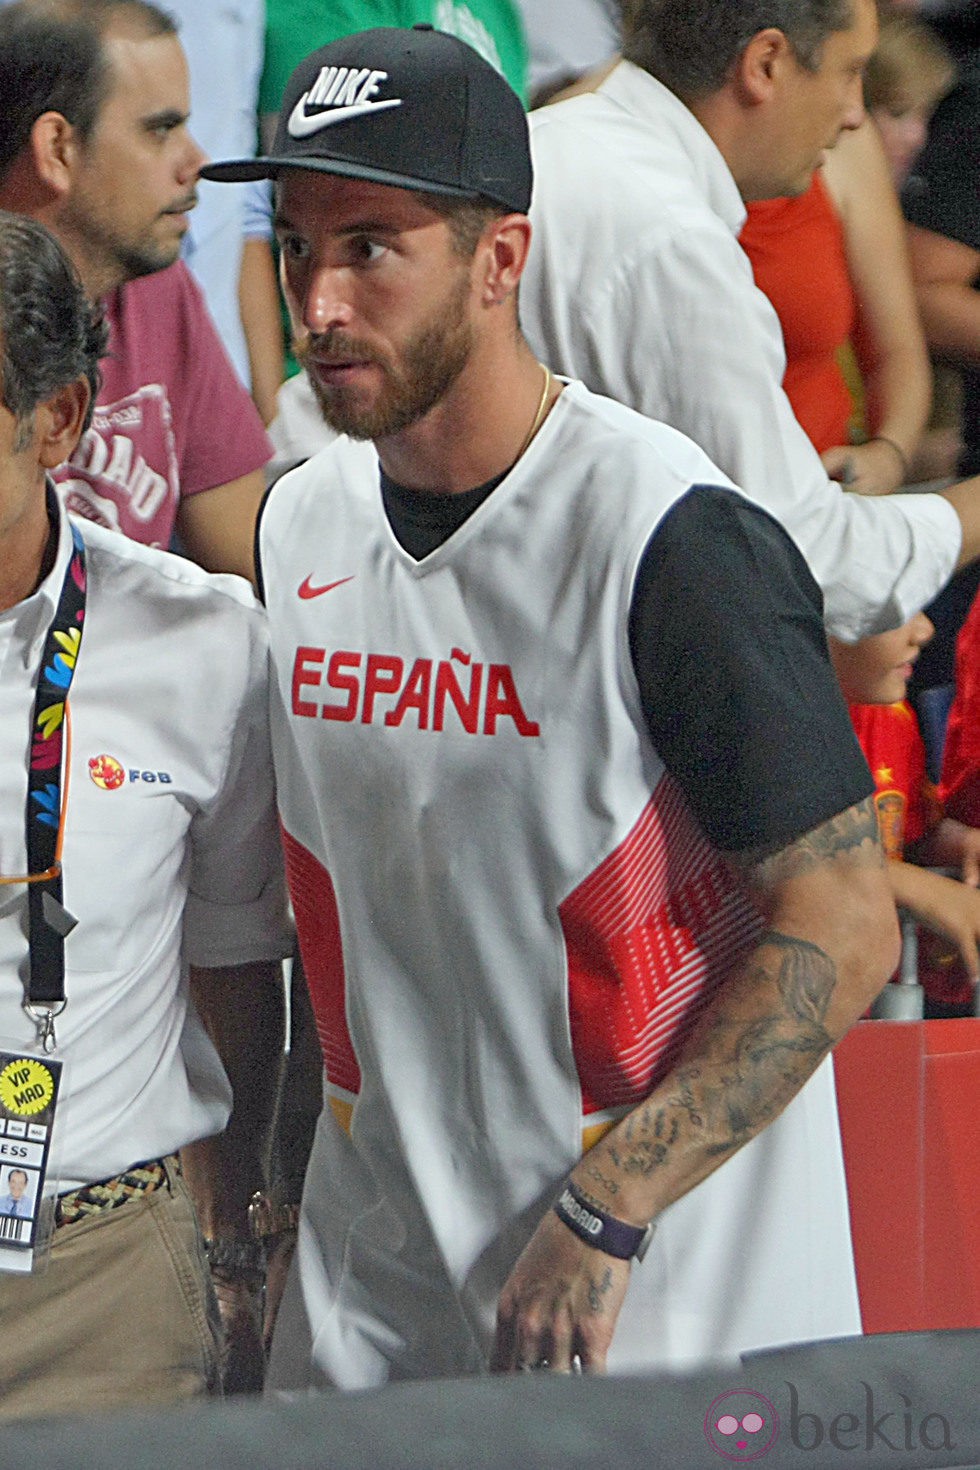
(560, 1304)
(279, 1258)
(874, 468)
(241, 1008)
(243, 1355)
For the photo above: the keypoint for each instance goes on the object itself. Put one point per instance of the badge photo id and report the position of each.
(29, 1086)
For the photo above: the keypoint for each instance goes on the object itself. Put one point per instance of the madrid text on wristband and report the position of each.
(601, 1231)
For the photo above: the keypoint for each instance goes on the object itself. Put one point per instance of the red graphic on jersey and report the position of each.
(306, 589)
(318, 928)
(648, 937)
(106, 772)
(124, 473)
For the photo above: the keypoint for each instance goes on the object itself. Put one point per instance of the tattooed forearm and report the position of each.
(764, 1028)
(749, 1067)
(603, 1178)
(854, 831)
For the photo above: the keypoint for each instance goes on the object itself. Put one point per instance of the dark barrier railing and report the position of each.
(890, 1401)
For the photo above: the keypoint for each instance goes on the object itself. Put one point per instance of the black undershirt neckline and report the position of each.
(422, 520)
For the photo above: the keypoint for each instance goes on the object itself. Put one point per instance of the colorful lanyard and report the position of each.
(49, 922)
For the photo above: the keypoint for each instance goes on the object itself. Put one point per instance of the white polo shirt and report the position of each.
(171, 857)
(637, 284)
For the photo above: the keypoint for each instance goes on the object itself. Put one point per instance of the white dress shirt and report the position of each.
(175, 861)
(637, 284)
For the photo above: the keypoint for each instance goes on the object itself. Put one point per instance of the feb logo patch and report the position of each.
(106, 772)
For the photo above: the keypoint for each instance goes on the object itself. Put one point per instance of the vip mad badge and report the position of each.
(28, 1098)
(27, 1086)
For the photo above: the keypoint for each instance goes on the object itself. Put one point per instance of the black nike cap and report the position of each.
(418, 109)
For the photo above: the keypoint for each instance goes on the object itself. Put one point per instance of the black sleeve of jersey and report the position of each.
(941, 194)
(727, 638)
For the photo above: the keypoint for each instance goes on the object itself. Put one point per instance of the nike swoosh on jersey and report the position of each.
(301, 126)
(306, 589)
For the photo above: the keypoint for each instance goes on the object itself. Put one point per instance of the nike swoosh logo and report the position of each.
(301, 126)
(307, 590)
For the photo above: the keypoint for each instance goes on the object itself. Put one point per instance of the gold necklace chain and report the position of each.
(539, 416)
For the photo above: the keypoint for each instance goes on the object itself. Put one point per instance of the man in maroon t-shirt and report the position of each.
(96, 147)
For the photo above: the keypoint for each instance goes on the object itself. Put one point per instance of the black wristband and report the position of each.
(601, 1231)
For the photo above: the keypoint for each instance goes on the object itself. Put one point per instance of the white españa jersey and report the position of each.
(506, 912)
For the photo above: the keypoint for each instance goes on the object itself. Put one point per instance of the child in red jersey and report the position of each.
(873, 675)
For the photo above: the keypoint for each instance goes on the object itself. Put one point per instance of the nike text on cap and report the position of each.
(415, 108)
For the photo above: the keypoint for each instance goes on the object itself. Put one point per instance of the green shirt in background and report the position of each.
(294, 28)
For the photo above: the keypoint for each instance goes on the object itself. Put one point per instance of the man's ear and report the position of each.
(58, 422)
(502, 253)
(760, 66)
(54, 149)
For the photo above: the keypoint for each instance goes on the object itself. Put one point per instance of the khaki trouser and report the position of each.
(123, 1315)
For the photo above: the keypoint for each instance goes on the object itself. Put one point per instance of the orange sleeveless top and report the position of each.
(796, 247)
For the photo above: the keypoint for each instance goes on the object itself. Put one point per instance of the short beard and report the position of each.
(133, 262)
(431, 363)
(113, 260)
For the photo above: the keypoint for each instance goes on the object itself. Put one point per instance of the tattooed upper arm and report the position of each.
(829, 888)
(853, 832)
